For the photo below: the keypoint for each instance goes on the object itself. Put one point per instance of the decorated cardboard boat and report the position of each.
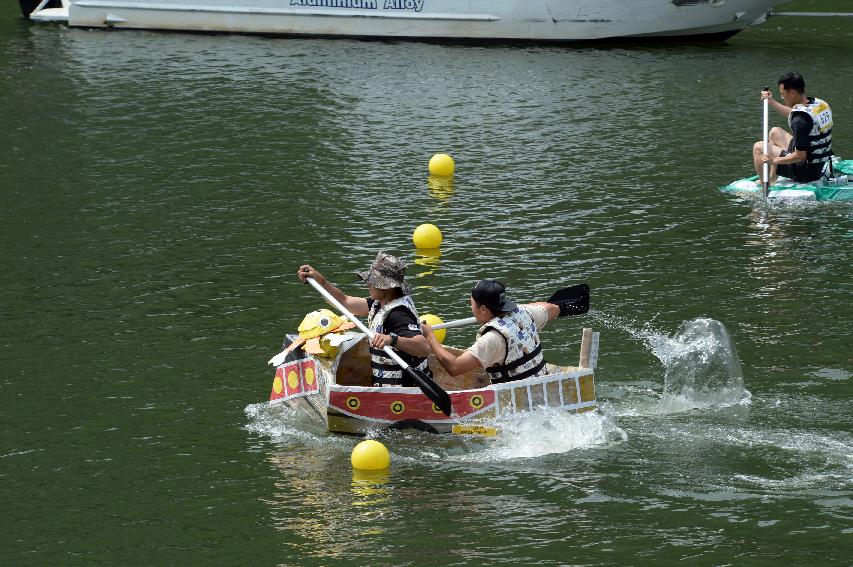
(336, 391)
(838, 187)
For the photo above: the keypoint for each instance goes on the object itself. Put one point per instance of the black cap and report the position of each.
(492, 294)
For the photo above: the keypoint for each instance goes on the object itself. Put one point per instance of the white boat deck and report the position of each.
(524, 20)
(42, 14)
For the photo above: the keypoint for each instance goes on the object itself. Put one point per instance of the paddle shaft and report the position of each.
(456, 323)
(766, 182)
(331, 299)
(580, 293)
(432, 390)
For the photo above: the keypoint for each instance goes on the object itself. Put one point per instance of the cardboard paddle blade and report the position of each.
(572, 300)
(431, 390)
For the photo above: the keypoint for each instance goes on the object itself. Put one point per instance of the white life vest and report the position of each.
(820, 137)
(523, 351)
(383, 368)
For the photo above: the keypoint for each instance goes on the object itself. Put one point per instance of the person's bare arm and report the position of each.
(776, 105)
(416, 346)
(552, 309)
(455, 365)
(356, 305)
(796, 156)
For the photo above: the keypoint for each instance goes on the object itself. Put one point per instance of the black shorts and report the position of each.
(800, 172)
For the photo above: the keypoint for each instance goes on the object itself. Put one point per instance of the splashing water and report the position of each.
(701, 364)
(544, 432)
(280, 423)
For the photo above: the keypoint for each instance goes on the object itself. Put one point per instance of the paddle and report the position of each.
(432, 390)
(572, 300)
(765, 186)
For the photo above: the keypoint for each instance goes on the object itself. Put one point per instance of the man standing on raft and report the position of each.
(507, 344)
(803, 155)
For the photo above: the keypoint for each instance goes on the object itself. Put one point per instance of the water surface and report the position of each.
(159, 190)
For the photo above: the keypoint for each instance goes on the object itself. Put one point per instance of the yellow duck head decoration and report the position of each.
(318, 331)
(320, 322)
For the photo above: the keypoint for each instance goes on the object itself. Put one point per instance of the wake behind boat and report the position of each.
(478, 20)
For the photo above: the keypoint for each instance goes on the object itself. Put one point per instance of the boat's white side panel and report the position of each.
(50, 15)
(553, 20)
(42, 14)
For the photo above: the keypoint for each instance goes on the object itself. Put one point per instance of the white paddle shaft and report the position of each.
(331, 299)
(456, 323)
(766, 181)
(473, 320)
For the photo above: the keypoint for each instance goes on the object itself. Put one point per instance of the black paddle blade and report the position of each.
(432, 390)
(572, 300)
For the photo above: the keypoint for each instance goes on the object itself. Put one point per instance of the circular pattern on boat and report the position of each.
(293, 379)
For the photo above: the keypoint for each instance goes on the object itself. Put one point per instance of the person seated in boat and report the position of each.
(507, 344)
(802, 154)
(391, 315)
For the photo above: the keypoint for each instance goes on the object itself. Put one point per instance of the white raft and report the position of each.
(839, 187)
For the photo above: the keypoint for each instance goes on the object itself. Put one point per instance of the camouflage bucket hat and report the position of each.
(386, 272)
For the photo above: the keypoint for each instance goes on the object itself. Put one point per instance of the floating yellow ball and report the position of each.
(370, 455)
(432, 321)
(441, 165)
(427, 236)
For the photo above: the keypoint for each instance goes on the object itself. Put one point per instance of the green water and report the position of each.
(158, 192)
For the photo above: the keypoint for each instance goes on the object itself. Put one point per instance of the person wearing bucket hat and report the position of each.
(391, 315)
(507, 344)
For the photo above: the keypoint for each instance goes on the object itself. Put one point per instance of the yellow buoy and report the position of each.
(441, 165)
(370, 455)
(432, 321)
(427, 236)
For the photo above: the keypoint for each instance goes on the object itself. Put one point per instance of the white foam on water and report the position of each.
(828, 457)
(279, 422)
(529, 435)
(781, 461)
(544, 432)
(832, 374)
(800, 482)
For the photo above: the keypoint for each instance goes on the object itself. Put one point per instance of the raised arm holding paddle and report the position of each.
(392, 319)
(507, 344)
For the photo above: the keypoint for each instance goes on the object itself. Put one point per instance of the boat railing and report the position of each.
(563, 387)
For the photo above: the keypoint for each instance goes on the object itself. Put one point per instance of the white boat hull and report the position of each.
(530, 20)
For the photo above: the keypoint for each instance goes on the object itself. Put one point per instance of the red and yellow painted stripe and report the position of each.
(294, 379)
